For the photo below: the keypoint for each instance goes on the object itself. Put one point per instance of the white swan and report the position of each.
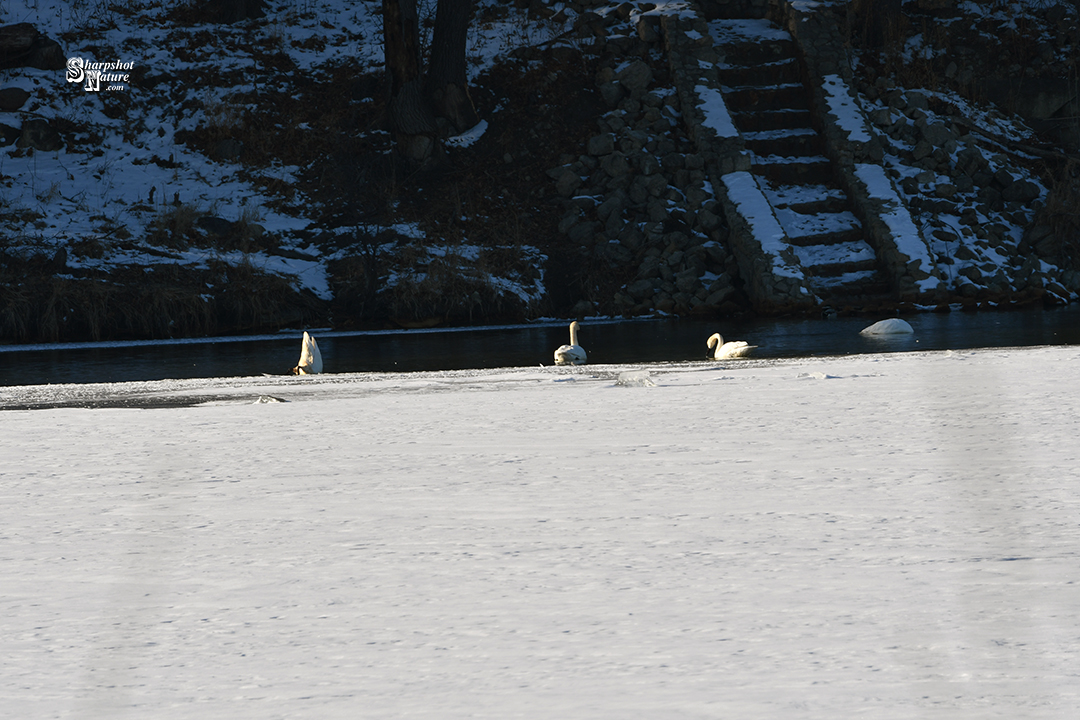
(891, 326)
(725, 350)
(572, 354)
(310, 357)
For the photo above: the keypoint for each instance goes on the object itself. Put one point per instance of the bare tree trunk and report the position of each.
(447, 84)
(878, 20)
(411, 120)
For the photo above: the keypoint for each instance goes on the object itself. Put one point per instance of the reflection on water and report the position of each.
(462, 348)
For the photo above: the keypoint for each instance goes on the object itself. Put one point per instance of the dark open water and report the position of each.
(503, 346)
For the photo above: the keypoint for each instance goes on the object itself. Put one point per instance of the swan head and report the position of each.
(716, 340)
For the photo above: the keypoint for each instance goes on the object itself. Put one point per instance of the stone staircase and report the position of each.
(763, 87)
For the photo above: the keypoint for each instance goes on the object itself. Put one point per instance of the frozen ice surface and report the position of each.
(734, 542)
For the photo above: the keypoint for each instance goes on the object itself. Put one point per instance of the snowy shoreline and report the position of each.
(890, 534)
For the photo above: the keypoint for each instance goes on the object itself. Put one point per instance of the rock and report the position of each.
(972, 273)
(612, 92)
(228, 149)
(583, 308)
(640, 289)
(39, 135)
(1021, 191)
(665, 304)
(647, 30)
(687, 281)
(648, 165)
(657, 210)
(882, 117)
(602, 144)
(636, 76)
(650, 267)
(1003, 178)
(965, 253)
(615, 164)
(1049, 247)
(917, 101)
(964, 184)
(564, 55)
(945, 190)
(718, 297)
(567, 183)
(214, 225)
(46, 54)
(707, 221)
(613, 205)
(8, 134)
(21, 45)
(632, 238)
(934, 133)
(12, 98)
(568, 221)
(657, 185)
(615, 253)
(582, 232)
(233, 11)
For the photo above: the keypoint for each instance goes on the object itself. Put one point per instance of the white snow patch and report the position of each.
(843, 105)
(468, 137)
(752, 204)
(904, 232)
(716, 113)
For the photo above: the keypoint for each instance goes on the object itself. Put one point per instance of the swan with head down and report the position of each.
(728, 350)
(310, 358)
(889, 326)
(572, 354)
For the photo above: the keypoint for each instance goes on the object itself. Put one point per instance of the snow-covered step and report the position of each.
(755, 98)
(854, 255)
(793, 144)
(783, 70)
(780, 133)
(786, 170)
(801, 225)
(798, 196)
(772, 119)
(847, 283)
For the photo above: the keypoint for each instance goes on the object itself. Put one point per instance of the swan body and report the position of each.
(310, 358)
(572, 354)
(726, 350)
(891, 326)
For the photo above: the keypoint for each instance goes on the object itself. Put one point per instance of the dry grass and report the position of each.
(174, 227)
(1061, 213)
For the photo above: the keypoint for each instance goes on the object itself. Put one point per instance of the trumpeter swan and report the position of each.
(891, 326)
(725, 350)
(310, 357)
(572, 354)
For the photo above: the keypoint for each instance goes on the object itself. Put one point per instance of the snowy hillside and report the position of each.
(239, 178)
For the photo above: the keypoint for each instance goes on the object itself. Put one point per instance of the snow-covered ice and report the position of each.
(889, 535)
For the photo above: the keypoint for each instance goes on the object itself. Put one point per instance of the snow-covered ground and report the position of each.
(891, 536)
